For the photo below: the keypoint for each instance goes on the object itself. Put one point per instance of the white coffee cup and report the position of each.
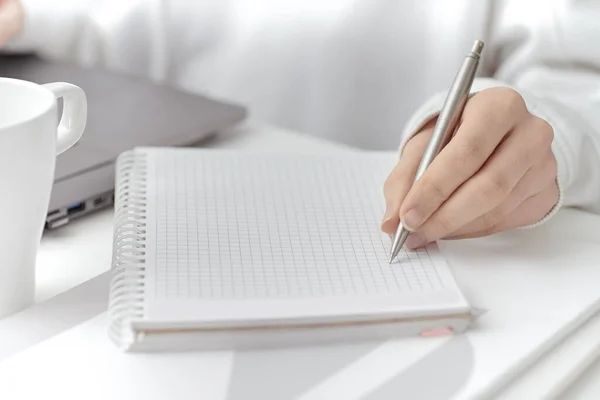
(31, 136)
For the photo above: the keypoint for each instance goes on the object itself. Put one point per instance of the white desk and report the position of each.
(587, 386)
(82, 250)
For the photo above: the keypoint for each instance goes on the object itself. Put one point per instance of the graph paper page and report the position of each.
(230, 226)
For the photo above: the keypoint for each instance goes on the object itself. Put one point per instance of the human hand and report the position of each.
(497, 173)
(11, 19)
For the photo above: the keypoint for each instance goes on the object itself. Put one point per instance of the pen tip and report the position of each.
(477, 47)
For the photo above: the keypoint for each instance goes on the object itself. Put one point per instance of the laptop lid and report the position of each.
(124, 111)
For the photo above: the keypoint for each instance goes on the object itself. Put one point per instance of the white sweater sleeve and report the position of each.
(545, 55)
(96, 32)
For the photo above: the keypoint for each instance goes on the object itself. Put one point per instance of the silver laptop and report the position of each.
(123, 112)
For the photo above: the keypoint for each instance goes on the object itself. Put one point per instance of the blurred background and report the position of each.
(352, 71)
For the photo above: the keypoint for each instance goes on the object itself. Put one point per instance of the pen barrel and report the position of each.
(451, 111)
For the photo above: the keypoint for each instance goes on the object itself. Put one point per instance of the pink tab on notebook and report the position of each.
(437, 332)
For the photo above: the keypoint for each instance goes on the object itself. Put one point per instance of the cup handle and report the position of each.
(74, 115)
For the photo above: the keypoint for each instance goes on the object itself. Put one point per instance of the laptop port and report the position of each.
(75, 208)
(100, 200)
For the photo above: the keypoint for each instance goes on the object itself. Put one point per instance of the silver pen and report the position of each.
(445, 126)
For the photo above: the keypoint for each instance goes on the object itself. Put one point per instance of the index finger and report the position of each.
(399, 181)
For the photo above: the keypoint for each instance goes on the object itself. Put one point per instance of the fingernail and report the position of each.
(412, 219)
(389, 212)
(414, 241)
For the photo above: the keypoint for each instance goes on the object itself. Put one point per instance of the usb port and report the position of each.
(100, 200)
(75, 208)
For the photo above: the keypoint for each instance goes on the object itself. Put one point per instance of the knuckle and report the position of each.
(547, 169)
(543, 131)
(494, 189)
(508, 101)
(434, 189)
(510, 97)
(470, 148)
(536, 137)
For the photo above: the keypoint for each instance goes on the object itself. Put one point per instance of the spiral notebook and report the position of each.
(227, 249)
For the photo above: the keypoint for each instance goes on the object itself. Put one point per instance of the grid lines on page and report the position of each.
(267, 226)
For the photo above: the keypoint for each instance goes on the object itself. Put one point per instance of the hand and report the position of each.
(497, 173)
(11, 19)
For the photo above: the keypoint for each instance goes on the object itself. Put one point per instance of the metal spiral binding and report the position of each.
(129, 248)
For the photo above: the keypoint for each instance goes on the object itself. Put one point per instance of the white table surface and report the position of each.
(81, 250)
(587, 386)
